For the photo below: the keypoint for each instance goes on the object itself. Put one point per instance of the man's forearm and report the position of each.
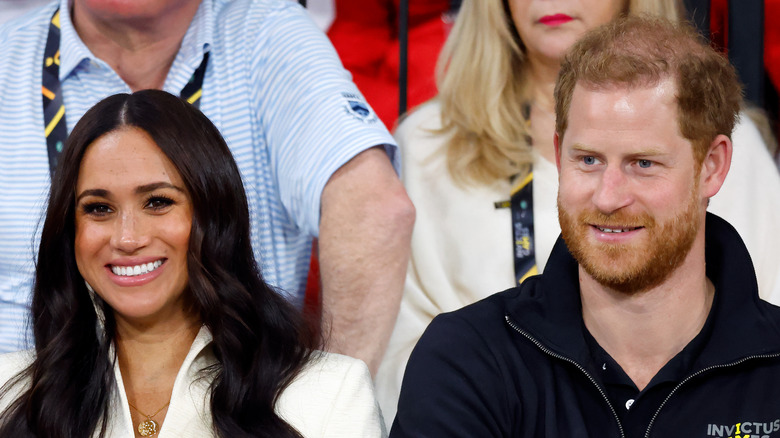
(365, 231)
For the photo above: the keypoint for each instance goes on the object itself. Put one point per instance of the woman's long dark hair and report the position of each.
(260, 340)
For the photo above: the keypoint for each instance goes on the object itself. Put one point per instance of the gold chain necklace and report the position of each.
(148, 427)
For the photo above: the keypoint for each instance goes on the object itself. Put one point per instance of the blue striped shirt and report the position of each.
(274, 87)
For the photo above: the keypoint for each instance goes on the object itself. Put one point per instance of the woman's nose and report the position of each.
(129, 234)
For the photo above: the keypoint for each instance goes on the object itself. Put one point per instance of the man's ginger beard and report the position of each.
(634, 267)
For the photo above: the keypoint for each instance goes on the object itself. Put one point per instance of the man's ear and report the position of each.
(715, 166)
(557, 152)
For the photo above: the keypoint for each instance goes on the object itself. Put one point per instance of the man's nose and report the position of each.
(613, 191)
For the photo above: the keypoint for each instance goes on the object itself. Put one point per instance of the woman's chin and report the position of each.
(552, 47)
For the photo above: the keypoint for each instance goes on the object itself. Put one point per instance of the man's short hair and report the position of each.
(642, 51)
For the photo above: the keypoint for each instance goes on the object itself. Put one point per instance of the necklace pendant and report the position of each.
(147, 427)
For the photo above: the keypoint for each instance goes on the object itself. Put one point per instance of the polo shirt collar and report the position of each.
(200, 35)
(73, 51)
(196, 42)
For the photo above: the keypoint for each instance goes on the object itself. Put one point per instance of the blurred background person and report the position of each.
(479, 165)
(151, 317)
(315, 159)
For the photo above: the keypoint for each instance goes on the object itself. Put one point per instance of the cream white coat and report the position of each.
(333, 397)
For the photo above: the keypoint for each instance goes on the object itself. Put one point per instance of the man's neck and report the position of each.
(140, 49)
(642, 332)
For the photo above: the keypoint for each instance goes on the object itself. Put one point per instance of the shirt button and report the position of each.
(629, 403)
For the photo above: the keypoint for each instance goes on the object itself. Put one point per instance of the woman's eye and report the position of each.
(644, 164)
(158, 202)
(96, 209)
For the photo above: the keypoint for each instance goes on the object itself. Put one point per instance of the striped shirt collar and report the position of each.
(73, 51)
(196, 42)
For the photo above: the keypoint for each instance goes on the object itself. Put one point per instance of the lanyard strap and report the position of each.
(54, 124)
(523, 229)
(53, 107)
(521, 203)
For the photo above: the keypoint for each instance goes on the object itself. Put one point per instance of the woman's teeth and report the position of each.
(132, 271)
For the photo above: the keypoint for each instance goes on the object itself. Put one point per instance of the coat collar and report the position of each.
(548, 306)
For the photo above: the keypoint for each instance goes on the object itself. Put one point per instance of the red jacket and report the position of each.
(365, 34)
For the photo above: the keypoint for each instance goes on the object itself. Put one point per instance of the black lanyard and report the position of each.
(54, 124)
(523, 228)
(522, 204)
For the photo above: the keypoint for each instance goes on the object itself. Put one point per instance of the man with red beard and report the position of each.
(646, 320)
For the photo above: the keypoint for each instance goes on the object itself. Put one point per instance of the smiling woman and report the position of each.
(133, 218)
(150, 315)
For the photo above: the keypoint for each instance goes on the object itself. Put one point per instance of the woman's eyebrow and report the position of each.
(146, 188)
(92, 192)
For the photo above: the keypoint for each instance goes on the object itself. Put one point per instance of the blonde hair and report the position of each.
(482, 80)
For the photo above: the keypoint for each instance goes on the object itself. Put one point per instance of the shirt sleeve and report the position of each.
(313, 117)
(453, 386)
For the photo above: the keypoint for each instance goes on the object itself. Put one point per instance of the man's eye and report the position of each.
(644, 164)
(589, 160)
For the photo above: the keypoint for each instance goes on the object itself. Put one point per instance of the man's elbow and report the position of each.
(395, 211)
(366, 196)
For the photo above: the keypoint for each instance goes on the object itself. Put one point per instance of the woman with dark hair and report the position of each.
(149, 312)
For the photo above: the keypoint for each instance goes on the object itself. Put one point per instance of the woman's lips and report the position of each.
(555, 20)
(130, 279)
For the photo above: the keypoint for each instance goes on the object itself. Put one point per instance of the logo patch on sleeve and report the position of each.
(355, 106)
